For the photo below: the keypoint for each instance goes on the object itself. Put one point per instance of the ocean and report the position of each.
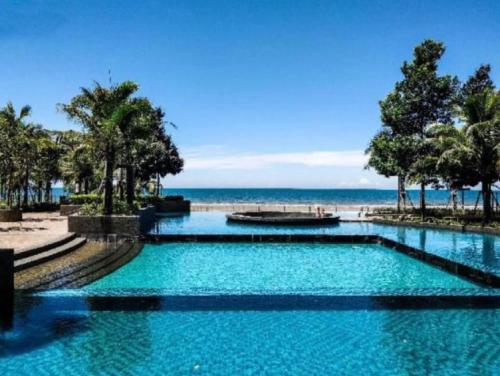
(305, 196)
(312, 196)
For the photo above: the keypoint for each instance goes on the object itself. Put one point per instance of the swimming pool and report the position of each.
(477, 250)
(237, 268)
(57, 336)
(255, 308)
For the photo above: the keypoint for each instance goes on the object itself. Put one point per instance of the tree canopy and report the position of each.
(123, 146)
(420, 142)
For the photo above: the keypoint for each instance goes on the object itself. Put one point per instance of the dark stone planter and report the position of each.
(69, 209)
(173, 206)
(11, 215)
(122, 225)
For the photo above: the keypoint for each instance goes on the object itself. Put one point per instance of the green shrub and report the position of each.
(82, 199)
(92, 209)
(119, 208)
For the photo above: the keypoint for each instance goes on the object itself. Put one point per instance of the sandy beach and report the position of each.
(230, 207)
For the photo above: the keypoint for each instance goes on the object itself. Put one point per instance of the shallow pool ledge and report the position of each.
(474, 274)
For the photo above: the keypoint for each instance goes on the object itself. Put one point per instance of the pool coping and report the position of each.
(473, 274)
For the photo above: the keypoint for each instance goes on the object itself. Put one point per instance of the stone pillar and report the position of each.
(6, 288)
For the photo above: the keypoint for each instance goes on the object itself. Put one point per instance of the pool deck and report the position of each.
(34, 229)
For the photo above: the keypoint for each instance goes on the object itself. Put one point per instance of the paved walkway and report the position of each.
(35, 228)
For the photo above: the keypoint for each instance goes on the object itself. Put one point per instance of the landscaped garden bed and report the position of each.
(123, 225)
(459, 220)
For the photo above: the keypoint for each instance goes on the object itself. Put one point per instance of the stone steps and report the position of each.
(82, 273)
(47, 252)
(31, 251)
(97, 269)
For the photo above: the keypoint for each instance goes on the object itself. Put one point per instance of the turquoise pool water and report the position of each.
(275, 309)
(75, 338)
(274, 267)
(477, 250)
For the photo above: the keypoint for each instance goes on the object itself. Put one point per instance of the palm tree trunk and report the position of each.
(39, 191)
(26, 187)
(48, 188)
(399, 195)
(422, 199)
(18, 196)
(454, 201)
(403, 193)
(130, 184)
(121, 191)
(10, 191)
(487, 212)
(108, 182)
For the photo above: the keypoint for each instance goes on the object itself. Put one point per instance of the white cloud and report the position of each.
(364, 181)
(240, 161)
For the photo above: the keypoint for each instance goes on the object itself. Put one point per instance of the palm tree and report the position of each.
(13, 133)
(46, 167)
(101, 111)
(77, 165)
(136, 124)
(474, 154)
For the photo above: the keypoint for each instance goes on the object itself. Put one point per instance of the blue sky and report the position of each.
(265, 93)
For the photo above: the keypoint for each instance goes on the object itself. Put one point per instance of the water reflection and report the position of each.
(38, 322)
(103, 347)
(402, 234)
(403, 340)
(423, 239)
(489, 254)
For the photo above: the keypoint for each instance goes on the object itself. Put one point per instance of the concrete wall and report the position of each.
(11, 215)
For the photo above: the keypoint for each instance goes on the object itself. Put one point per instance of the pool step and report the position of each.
(78, 273)
(31, 251)
(48, 252)
(92, 271)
